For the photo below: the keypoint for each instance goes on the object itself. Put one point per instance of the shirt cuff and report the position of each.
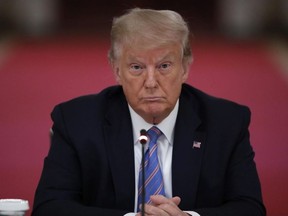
(192, 213)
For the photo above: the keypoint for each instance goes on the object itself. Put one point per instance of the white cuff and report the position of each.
(189, 212)
(192, 213)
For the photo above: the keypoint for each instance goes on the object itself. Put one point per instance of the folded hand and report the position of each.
(162, 206)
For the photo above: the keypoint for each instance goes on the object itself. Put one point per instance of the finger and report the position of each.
(151, 210)
(168, 205)
(159, 199)
(176, 200)
(170, 209)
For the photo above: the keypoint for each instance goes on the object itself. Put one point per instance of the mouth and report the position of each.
(152, 99)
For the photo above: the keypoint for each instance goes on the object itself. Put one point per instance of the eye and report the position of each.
(164, 66)
(135, 68)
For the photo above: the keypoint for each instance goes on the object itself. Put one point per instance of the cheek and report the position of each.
(131, 88)
(173, 87)
(174, 82)
(130, 82)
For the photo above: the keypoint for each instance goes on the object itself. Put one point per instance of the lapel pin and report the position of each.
(196, 144)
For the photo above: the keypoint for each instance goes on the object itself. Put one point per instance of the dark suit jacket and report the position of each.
(90, 166)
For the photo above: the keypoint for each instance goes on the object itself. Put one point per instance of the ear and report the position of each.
(116, 71)
(186, 70)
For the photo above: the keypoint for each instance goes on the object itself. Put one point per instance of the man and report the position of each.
(204, 158)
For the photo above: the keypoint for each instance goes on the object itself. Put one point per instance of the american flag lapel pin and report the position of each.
(196, 144)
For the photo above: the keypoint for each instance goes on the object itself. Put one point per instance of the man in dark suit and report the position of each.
(205, 161)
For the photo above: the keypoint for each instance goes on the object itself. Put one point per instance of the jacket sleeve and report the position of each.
(242, 191)
(60, 188)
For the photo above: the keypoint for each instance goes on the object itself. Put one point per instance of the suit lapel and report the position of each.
(119, 140)
(186, 162)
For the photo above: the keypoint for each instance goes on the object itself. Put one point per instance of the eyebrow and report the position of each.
(169, 55)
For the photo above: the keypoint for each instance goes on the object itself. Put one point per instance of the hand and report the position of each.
(162, 206)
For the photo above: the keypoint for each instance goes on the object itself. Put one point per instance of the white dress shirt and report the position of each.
(165, 147)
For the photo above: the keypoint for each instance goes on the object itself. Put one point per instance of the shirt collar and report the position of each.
(166, 126)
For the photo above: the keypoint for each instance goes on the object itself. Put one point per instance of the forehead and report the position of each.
(139, 51)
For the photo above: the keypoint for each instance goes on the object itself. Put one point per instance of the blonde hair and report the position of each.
(155, 26)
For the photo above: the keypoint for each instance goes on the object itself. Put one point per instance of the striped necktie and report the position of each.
(153, 177)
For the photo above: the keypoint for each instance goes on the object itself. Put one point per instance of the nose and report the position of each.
(151, 78)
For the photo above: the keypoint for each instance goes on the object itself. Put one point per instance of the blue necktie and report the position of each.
(153, 177)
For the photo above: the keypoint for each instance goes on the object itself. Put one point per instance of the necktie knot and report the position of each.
(153, 133)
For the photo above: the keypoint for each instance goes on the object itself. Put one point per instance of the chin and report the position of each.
(155, 111)
(156, 116)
